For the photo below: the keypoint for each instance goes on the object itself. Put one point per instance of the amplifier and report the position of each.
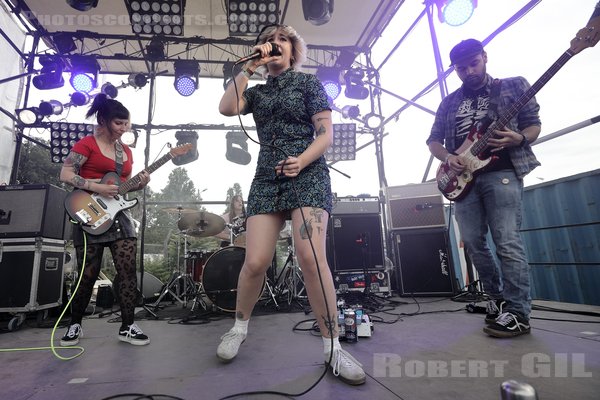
(355, 242)
(32, 211)
(415, 206)
(354, 281)
(356, 205)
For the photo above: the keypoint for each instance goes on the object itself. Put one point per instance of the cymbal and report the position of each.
(201, 224)
(178, 210)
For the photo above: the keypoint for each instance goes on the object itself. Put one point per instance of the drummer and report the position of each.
(236, 215)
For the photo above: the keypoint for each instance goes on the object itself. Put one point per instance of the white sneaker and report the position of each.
(230, 344)
(346, 367)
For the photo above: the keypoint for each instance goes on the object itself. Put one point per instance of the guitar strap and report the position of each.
(119, 157)
(494, 99)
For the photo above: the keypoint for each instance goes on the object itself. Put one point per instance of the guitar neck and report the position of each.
(479, 146)
(135, 181)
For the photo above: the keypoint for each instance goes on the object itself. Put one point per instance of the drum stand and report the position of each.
(181, 286)
(292, 281)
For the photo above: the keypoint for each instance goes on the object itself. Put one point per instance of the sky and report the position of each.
(527, 48)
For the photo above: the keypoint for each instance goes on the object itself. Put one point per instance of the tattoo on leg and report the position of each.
(318, 214)
(239, 315)
(330, 324)
(306, 230)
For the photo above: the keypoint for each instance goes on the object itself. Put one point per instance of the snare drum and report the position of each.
(220, 277)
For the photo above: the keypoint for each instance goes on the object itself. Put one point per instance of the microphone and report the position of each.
(274, 52)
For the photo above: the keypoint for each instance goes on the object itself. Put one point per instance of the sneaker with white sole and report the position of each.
(493, 309)
(71, 338)
(134, 335)
(230, 344)
(346, 367)
(508, 325)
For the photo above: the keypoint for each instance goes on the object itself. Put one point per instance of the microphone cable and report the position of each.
(52, 347)
(329, 317)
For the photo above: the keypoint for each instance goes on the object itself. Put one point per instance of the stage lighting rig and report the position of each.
(82, 5)
(158, 17)
(138, 81)
(355, 87)
(330, 79)
(343, 147)
(249, 17)
(52, 107)
(29, 116)
(63, 136)
(350, 112)
(373, 121)
(455, 12)
(237, 148)
(317, 12)
(84, 73)
(184, 137)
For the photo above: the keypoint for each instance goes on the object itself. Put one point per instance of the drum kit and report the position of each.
(210, 277)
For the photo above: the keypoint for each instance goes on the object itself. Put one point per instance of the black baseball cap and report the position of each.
(465, 49)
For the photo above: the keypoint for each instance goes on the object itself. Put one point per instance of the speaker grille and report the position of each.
(417, 212)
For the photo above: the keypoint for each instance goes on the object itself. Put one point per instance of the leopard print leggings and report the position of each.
(123, 253)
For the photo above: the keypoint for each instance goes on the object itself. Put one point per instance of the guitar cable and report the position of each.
(52, 347)
(329, 317)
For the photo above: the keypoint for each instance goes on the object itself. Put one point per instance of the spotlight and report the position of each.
(239, 153)
(29, 116)
(455, 12)
(110, 90)
(137, 80)
(343, 147)
(249, 17)
(50, 76)
(350, 111)
(79, 99)
(82, 5)
(186, 76)
(330, 79)
(64, 42)
(355, 88)
(373, 121)
(63, 136)
(130, 138)
(317, 12)
(155, 50)
(184, 137)
(84, 73)
(158, 17)
(50, 107)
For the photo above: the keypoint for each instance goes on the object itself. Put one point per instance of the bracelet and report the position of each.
(524, 141)
(247, 72)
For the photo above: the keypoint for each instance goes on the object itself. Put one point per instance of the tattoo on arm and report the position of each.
(321, 130)
(78, 182)
(74, 160)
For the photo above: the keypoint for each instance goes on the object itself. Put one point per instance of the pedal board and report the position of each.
(354, 281)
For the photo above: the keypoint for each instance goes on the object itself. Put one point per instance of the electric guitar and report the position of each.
(474, 150)
(97, 213)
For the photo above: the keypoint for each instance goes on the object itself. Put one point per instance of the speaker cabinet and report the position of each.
(424, 263)
(31, 211)
(355, 242)
(415, 206)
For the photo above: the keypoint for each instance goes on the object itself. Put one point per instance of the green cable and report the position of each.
(52, 347)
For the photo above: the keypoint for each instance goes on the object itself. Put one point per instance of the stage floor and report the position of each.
(433, 350)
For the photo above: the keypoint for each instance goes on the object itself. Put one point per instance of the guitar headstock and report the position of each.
(181, 150)
(588, 36)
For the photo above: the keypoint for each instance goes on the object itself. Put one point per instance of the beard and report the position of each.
(476, 81)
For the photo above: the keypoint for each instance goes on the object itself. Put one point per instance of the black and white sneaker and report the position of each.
(508, 325)
(134, 335)
(71, 338)
(493, 309)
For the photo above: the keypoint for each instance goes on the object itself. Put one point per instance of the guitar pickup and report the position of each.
(93, 208)
(83, 216)
(102, 204)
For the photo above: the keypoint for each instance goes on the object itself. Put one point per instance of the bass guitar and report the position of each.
(97, 213)
(474, 151)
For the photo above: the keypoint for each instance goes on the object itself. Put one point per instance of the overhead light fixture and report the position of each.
(186, 76)
(373, 121)
(83, 5)
(63, 136)
(350, 111)
(249, 17)
(110, 90)
(343, 147)
(84, 73)
(158, 17)
(130, 138)
(29, 116)
(330, 79)
(317, 12)
(155, 50)
(237, 148)
(50, 76)
(355, 87)
(137, 80)
(79, 99)
(64, 43)
(184, 137)
(52, 107)
(455, 12)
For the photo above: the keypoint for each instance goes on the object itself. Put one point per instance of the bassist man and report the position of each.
(490, 197)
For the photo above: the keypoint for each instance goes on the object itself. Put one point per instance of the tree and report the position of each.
(36, 166)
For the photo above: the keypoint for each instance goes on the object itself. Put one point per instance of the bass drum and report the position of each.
(220, 277)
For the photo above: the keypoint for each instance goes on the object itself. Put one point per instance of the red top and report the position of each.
(97, 164)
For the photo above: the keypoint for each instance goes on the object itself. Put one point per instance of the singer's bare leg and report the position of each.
(316, 228)
(261, 236)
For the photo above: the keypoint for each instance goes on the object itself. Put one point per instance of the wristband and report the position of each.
(524, 141)
(247, 73)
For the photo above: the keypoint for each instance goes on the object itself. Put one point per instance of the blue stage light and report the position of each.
(82, 82)
(457, 12)
(186, 76)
